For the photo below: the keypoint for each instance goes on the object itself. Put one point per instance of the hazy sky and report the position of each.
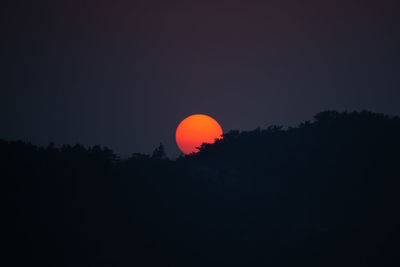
(125, 73)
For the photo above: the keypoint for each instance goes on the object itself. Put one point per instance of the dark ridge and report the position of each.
(324, 193)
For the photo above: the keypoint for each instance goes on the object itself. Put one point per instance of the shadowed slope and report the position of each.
(321, 194)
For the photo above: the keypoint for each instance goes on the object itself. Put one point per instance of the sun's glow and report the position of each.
(195, 130)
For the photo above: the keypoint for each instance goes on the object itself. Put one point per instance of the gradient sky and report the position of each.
(125, 73)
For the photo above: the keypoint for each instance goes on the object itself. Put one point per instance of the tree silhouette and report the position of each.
(159, 153)
(324, 193)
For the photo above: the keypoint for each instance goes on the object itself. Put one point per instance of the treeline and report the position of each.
(324, 193)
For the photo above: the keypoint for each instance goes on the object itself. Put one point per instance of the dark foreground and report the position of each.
(323, 194)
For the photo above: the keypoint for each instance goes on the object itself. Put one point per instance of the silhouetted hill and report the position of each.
(324, 193)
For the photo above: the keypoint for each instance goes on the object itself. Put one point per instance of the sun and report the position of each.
(195, 130)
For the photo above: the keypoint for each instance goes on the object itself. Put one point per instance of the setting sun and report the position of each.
(195, 130)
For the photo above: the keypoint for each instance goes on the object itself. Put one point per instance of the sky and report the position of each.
(124, 73)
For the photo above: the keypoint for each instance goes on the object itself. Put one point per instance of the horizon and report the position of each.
(181, 154)
(125, 73)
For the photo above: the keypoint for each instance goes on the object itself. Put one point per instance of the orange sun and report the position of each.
(195, 130)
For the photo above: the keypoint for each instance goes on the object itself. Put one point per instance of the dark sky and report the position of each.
(125, 73)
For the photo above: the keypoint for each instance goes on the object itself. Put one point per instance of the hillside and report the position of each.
(324, 193)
